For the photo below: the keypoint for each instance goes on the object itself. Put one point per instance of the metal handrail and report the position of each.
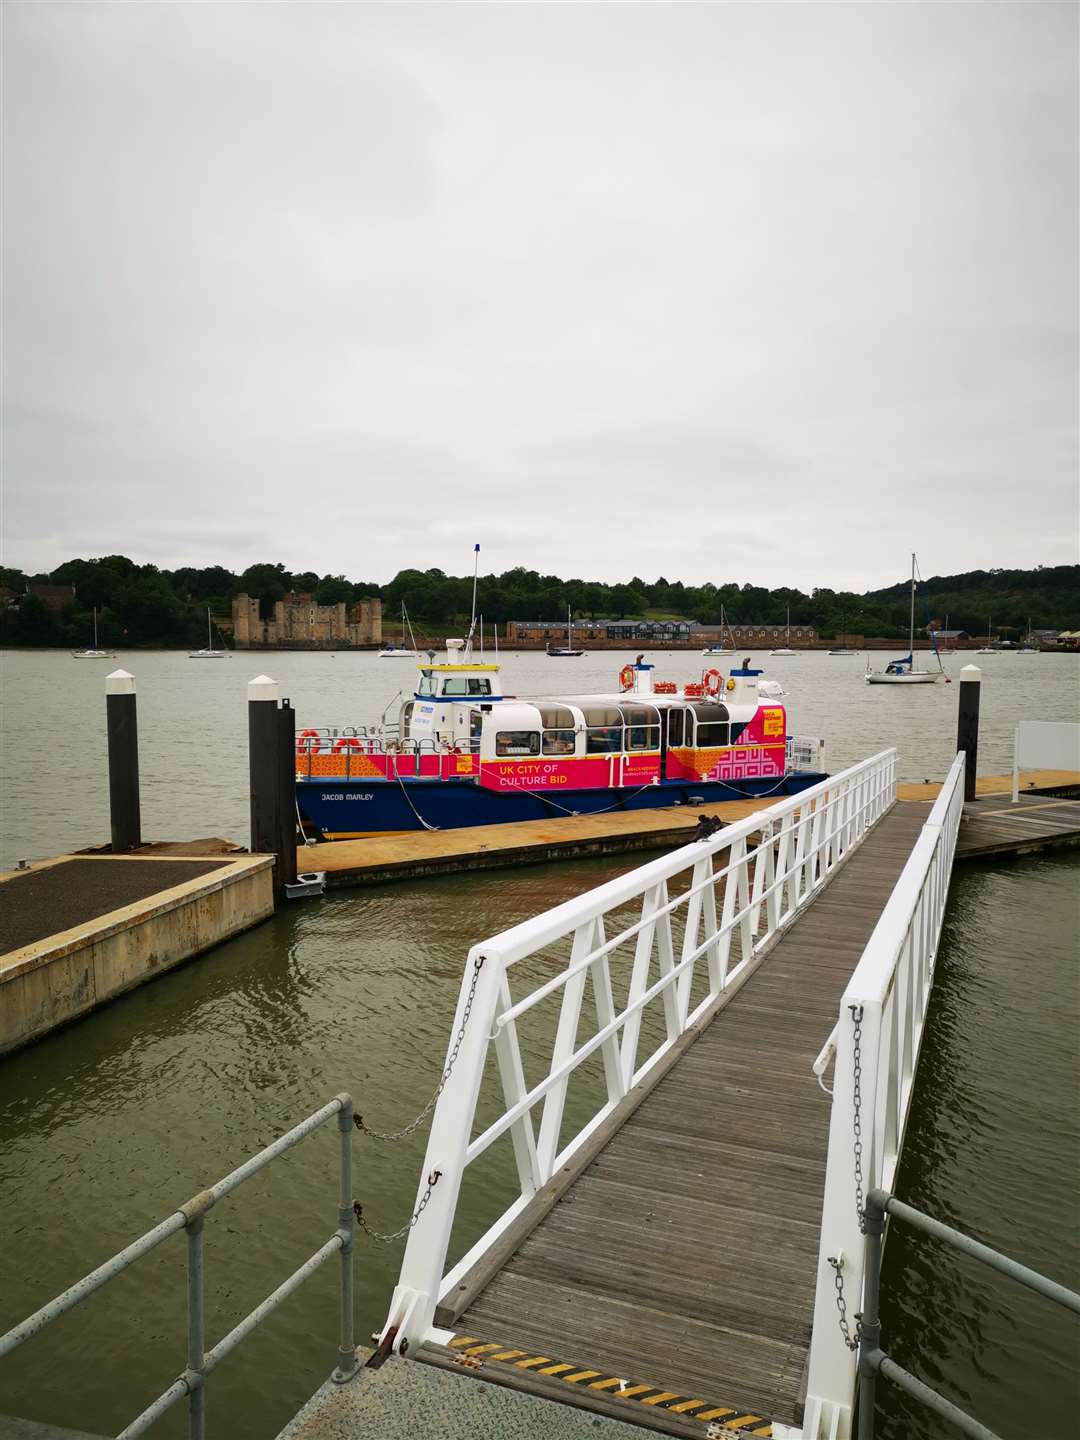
(873, 1360)
(742, 886)
(191, 1217)
(874, 1047)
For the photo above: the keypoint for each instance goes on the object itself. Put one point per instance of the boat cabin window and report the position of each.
(466, 685)
(558, 723)
(642, 727)
(710, 726)
(676, 723)
(517, 742)
(427, 683)
(603, 729)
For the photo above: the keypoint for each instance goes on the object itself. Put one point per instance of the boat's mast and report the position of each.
(95, 628)
(472, 622)
(911, 627)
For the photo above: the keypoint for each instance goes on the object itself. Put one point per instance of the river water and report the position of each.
(107, 1125)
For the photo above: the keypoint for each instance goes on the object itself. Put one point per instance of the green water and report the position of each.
(106, 1126)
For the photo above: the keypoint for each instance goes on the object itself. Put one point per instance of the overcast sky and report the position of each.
(764, 293)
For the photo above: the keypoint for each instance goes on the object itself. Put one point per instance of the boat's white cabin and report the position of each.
(462, 706)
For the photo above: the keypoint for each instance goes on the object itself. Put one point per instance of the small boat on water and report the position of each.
(905, 671)
(567, 651)
(726, 645)
(1028, 647)
(786, 649)
(463, 753)
(402, 651)
(993, 646)
(94, 653)
(207, 652)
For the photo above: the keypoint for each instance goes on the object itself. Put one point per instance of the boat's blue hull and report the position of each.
(342, 808)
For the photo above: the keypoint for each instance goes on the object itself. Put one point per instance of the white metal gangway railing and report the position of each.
(875, 1050)
(679, 935)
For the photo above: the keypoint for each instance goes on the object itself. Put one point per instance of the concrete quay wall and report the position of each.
(48, 984)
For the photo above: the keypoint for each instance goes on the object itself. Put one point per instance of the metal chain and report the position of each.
(388, 1238)
(857, 1015)
(852, 1343)
(451, 1061)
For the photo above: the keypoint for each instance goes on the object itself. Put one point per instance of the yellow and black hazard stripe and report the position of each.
(719, 1418)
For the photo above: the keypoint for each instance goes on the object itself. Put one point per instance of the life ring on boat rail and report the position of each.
(308, 742)
(346, 742)
(626, 677)
(712, 682)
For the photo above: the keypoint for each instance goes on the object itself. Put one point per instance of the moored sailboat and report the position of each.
(94, 653)
(207, 652)
(786, 649)
(904, 671)
(402, 651)
(567, 651)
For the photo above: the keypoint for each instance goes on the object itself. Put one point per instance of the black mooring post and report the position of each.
(286, 801)
(123, 731)
(263, 770)
(967, 725)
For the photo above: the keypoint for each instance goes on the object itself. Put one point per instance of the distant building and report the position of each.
(54, 596)
(300, 624)
(654, 632)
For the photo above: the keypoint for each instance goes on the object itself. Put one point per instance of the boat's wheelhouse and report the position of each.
(440, 712)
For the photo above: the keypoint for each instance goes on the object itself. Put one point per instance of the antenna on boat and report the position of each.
(472, 622)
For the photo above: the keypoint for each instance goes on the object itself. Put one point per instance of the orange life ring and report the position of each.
(712, 681)
(308, 742)
(626, 677)
(347, 742)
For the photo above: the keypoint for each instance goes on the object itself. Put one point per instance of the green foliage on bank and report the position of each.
(141, 605)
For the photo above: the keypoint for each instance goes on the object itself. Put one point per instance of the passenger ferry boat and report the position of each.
(463, 753)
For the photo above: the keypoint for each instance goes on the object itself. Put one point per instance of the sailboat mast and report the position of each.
(911, 627)
(472, 622)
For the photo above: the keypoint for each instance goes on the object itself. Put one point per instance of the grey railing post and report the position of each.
(870, 1321)
(347, 1363)
(196, 1331)
(123, 733)
(967, 725)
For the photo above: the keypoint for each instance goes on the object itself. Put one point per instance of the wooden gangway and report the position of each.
(618, 1275)
(668, 1257)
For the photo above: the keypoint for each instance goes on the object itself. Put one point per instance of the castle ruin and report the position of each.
(300, 624)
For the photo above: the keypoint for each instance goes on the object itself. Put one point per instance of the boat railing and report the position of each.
(354, 744)
(662, 948)
(874, 1051)
(191, 1217)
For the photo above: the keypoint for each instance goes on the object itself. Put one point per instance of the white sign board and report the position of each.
(1045, 745)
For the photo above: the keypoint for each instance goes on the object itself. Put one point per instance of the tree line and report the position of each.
(142, 605)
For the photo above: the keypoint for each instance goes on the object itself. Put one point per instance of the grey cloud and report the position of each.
(778, 291)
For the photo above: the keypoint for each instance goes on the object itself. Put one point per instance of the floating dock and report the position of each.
(423, 853)
(78, 930)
